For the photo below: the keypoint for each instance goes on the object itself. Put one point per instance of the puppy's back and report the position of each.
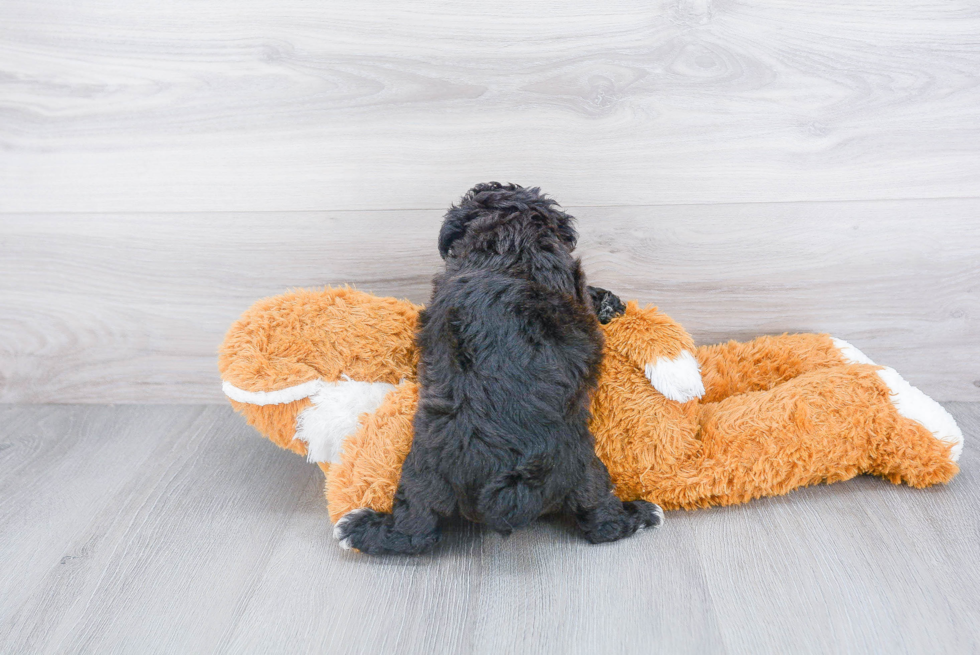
(507, 368)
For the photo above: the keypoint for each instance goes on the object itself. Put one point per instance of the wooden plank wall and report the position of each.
(752, 167)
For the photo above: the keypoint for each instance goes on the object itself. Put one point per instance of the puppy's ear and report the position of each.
(566, 230)
(453, 228)
(482, 198)
(563, 224)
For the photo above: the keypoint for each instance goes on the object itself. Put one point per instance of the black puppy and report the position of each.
(510, 351)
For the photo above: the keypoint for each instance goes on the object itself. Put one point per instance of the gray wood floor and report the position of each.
(175, 529)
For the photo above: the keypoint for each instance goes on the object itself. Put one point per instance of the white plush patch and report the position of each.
(339, 529)
(678, 379)
(851, 354)
(334, 413)
(912, 403)
(279, 397)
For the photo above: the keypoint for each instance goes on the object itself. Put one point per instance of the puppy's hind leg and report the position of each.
(413, 525)
(402, 532)
(601, 516)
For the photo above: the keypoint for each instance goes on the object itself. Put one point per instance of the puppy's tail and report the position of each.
(513, 499)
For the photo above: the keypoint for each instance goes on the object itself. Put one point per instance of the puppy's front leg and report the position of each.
(606, 304)
(413, 525)
(601, 516)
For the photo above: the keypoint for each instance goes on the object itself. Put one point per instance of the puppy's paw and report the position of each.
(375, 533)
(647, 514)
(607, 305)
(625, 520)
(351, 525)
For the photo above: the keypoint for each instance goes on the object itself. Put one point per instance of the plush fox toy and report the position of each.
(330, 374)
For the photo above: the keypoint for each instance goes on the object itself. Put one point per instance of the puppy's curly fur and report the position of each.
(510, 352)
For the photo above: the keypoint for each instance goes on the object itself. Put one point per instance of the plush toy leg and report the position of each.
(762, 363)
(822, 426)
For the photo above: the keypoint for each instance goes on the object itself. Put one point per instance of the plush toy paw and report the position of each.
(678, 378)
(911, 402)
(914, 404)
(620, 522)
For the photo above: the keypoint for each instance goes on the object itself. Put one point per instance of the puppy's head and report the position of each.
(491, 205)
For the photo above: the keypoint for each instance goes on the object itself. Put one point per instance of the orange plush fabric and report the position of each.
(307, 335)
(777, 412)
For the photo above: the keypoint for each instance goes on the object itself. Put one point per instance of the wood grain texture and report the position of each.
(131, 308)
(126, 526)
(122, 106)
(176, 529)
